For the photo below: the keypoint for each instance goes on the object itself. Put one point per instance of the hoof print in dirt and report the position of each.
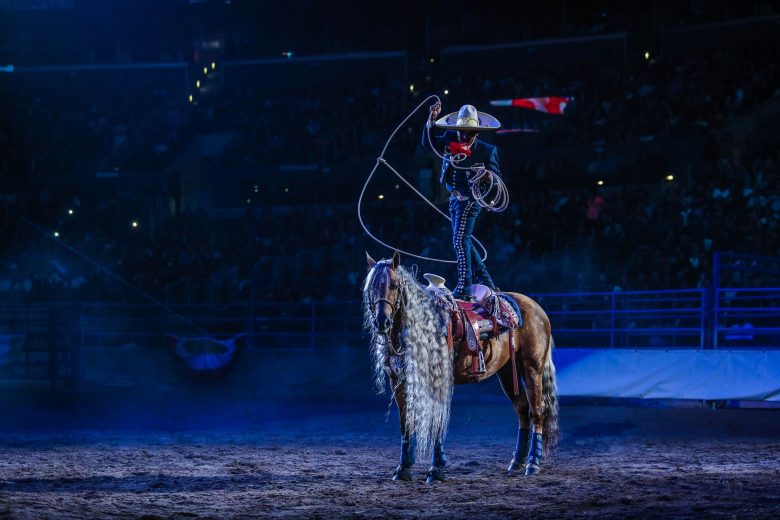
(435, 475)
(403, 473)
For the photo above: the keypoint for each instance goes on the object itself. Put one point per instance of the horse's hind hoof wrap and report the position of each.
(435, 474)
(532, 469)
(403, 473)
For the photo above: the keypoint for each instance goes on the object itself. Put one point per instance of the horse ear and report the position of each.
(396, 260)
(371, 261)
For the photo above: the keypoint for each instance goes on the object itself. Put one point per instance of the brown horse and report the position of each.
(409, 344)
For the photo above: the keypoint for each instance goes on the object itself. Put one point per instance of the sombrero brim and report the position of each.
(487, 123)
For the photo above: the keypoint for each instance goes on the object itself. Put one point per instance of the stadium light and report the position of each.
(190, 98)
(70, 212)
(432, 60)
(205, 70)
(446, 91)
(197, 84)
(56, 233)
(600, 183)
(213, 65)
(411, 87)
(670, 177)
(647, 55)
(380, 197)
(134, 224)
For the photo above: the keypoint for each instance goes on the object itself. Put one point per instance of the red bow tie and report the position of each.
(456, 148)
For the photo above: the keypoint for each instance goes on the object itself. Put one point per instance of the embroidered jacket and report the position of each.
(457, 180)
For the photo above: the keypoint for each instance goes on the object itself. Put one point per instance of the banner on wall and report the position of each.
(750, 375)
(555, 105)
(205, 354)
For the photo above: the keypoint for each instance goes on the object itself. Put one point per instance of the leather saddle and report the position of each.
(489, 316)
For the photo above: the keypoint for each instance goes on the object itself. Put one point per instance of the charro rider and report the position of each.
(462, 148)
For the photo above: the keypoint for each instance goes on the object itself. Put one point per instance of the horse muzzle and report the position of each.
(383, 325)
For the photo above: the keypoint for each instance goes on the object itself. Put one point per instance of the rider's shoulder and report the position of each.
(486, 146)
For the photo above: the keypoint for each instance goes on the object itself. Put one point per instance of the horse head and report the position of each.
(383, 291)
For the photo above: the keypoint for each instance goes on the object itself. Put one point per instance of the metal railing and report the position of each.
(695, 318)
(630, 319)
(627, 319)
(746, 317)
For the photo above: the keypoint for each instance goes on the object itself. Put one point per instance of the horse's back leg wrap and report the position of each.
(534, 454)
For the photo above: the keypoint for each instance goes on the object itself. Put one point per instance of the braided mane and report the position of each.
(427, 377)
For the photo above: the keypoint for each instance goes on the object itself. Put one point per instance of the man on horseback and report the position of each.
(465, 157)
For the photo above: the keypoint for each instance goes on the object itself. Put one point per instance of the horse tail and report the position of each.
(550, 398)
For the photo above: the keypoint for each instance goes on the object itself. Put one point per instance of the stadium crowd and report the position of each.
(655, 237)
(645, 237)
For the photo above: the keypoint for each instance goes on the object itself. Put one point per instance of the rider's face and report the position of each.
(464, 136)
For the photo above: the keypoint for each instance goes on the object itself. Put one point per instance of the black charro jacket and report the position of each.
(458, 180)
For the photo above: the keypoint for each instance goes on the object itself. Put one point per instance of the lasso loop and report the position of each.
(499, 201)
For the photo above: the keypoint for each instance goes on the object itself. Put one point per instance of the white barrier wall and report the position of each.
(669, 374)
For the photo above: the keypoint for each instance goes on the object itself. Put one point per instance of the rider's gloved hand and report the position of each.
(435, 110)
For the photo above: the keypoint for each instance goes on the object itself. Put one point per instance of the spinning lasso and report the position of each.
(479, 191)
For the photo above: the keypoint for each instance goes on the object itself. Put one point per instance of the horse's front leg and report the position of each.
(408, 440)
(438, 462)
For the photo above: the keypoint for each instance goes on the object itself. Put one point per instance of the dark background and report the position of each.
(172, 170)
(252, 185)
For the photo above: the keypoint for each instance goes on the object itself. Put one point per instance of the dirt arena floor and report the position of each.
(324, 462)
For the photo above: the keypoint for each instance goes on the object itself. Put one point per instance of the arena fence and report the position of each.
(695, 318)
(111, 343)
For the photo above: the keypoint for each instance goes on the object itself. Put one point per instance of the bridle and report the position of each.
(396, 307)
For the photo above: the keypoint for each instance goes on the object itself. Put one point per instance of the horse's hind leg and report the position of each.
(533, 386)
(408, 440)
(520, 404)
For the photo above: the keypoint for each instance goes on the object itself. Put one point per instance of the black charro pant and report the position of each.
(470, 266)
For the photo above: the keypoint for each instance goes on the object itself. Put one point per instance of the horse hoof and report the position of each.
(532, 469)
(514, 467)
(435, 474)
(403, 473)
